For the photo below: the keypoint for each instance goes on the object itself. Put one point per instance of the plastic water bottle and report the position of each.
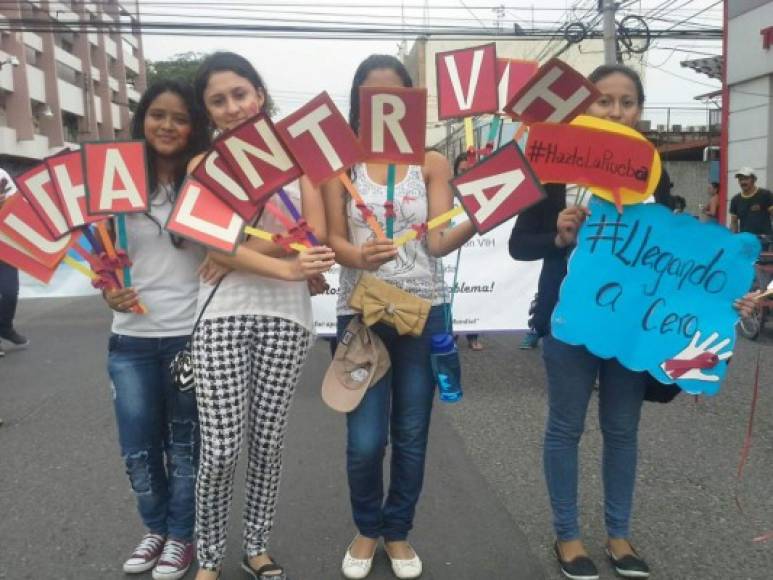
(446, 367)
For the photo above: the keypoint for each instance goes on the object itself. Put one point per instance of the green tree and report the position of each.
(181, 67)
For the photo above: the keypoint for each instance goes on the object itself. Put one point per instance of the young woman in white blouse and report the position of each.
(250, 346)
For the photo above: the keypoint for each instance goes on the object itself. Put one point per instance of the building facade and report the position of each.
(67, 75)
(750, 87)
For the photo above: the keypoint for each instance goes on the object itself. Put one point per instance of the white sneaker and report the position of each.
(410, 568)
(356, 568)
(145, 555)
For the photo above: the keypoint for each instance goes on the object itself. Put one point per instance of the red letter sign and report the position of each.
(498, 188)
(22, 224)
(35, 185)
(116, 177)
(320, 139)
(512, 75)
(393, 124)
(556, 94)
(202, 216)
(467, 81)
(14, 254)
(213, 174)
(66, 171)
(257, 157)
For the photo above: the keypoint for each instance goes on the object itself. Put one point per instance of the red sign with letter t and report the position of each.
(320, 139)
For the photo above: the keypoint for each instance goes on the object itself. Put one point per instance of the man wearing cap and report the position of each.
(750, 210)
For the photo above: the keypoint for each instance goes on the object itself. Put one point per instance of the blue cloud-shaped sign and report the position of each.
(655, 291)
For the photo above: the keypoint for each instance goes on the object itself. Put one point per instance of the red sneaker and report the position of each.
(175, 560)
(145, 555)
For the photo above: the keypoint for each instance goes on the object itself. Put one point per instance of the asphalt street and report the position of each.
(66, 511)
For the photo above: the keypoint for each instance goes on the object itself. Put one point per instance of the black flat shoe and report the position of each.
(262, 572)
(630, 565)
(581, 568)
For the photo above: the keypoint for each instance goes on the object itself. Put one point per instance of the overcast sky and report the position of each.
(297, 69)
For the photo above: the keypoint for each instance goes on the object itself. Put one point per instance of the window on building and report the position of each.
(70, 126)
(32, 55)
(68, 74)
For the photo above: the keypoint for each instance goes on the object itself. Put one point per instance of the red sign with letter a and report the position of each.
(393, 124)
(116, 177)
(320, 139)
(203, 217)
(257, 157)
(498, 188)
(467, 81)
(556, 94)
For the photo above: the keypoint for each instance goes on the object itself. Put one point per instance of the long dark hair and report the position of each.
(373, 62)
(198, 140)
(235, 63)
(605, 70)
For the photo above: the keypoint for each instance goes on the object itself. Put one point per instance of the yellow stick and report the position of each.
(469, 133)
(269, 237)
(76, 265)
(431, 225)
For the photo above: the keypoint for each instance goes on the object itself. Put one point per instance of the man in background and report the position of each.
(9, 281)
(750, 210)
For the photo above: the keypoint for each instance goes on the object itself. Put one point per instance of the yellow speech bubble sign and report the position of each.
(626, 196)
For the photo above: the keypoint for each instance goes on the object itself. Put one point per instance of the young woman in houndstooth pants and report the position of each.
(250, 346)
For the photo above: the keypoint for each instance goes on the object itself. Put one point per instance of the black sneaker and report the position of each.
(581, 568)
(14, 337)
(630, 565)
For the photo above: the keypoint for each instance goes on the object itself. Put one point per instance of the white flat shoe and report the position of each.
(406, 568)
(356, 568)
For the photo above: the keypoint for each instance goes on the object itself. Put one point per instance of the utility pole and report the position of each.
(608, 8)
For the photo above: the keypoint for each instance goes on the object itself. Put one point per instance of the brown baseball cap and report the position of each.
(361, 359)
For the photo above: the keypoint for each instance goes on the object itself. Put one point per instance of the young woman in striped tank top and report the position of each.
(398, 406)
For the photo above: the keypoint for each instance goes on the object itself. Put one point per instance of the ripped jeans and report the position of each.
(158, 430)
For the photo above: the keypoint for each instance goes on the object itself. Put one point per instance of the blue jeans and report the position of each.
(158, 430)
(399, 405)
(572, 371)
(9, 295)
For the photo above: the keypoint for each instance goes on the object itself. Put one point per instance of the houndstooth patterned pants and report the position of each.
(246, 370)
